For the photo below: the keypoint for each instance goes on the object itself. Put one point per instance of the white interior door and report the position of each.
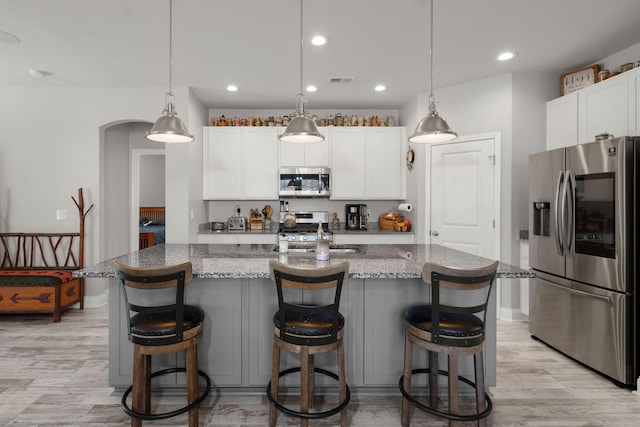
(464, 190)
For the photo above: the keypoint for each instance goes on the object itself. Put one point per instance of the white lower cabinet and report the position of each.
(237, 238)
(384, 304)
(374, 239)
(222, 304)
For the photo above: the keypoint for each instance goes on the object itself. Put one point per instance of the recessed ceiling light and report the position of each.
(39, 74)
(232, 88)
(319, 40)
(505, 56)
(311, 88)
(380, 88)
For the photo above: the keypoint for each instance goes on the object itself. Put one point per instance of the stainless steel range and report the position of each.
(302, 227)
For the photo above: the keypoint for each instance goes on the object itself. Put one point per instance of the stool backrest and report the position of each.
(309, 279)
(457, 279)
(145, 281)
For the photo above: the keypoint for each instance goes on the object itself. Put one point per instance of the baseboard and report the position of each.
(94, 301)
(512, 315)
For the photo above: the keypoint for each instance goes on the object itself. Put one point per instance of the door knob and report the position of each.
(435, 233)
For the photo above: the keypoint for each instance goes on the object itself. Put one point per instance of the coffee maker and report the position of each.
(356, 217)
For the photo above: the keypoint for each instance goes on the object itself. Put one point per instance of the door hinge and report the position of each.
(494, 223)
(492, 159)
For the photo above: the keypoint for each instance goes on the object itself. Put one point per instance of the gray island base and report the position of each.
(232, 285)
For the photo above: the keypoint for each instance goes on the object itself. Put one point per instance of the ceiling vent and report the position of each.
(348, 80)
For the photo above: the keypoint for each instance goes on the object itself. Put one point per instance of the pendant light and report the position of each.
(169, 127)
(432, 128)
(301, 129)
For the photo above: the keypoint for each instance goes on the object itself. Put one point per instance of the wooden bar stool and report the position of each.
(308, 330)
(452, 329)
(159, 329)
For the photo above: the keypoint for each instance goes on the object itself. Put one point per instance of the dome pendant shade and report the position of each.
(169, 128)
(302, 130)
(432, 128)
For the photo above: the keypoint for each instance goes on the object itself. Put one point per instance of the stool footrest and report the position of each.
(308, 415)
(162, 416)
(442, 414)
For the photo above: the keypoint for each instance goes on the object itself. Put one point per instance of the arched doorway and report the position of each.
(118, 143)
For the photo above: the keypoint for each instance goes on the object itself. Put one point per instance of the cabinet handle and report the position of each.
(435, 233)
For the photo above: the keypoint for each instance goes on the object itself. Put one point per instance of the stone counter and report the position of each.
(252, 261)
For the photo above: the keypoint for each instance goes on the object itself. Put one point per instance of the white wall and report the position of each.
(513, 105)
(50, 146)
(152, 179)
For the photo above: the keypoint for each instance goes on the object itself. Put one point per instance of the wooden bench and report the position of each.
(36, 270)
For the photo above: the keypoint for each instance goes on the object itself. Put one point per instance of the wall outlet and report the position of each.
(61, 214)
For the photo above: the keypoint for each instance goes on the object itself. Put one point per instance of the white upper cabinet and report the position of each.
(562, 121)
(348, 147)
(386, 170)
(633, 81)
(222, 157)
(313, 154)
(368, 163)
(240, 163)
(603, 108)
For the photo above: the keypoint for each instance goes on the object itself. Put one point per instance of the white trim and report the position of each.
(136, 155)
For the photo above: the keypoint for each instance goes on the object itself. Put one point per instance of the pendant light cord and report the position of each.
(301, 44)
(432, 106)
(171, 45)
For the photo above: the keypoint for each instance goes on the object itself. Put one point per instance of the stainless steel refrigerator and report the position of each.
(583, 249)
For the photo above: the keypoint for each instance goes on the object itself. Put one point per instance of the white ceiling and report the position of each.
(255, 45)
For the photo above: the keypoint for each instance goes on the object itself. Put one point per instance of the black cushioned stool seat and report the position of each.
(452, 329)
(158, 329)
(308, 329)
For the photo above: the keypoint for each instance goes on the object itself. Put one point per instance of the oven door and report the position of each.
(599, 213)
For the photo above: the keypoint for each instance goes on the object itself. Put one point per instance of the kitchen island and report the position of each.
(232, 285)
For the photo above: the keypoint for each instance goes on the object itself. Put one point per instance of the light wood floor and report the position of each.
(55, 374)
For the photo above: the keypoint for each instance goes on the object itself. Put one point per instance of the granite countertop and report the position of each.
(251, 261)
(372, 228)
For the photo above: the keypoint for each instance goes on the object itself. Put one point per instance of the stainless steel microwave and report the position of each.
(305, 182)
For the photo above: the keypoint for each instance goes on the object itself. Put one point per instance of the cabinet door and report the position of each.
(314, 154)
(218, 239)
(222, 163)
(633, 80)
(393, 239)
(348, 163)
(220, 351)
(260, 171)
(562, 121)
(263, 304)
(317, 153)
(352, 239)
(603, 107)
(385, 163)
(384, 304)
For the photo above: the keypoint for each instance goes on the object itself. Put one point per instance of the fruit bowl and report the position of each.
(387, 221)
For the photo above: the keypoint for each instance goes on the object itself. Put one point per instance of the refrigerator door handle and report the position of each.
(604, 298)
(570, 198)
(557, 213)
